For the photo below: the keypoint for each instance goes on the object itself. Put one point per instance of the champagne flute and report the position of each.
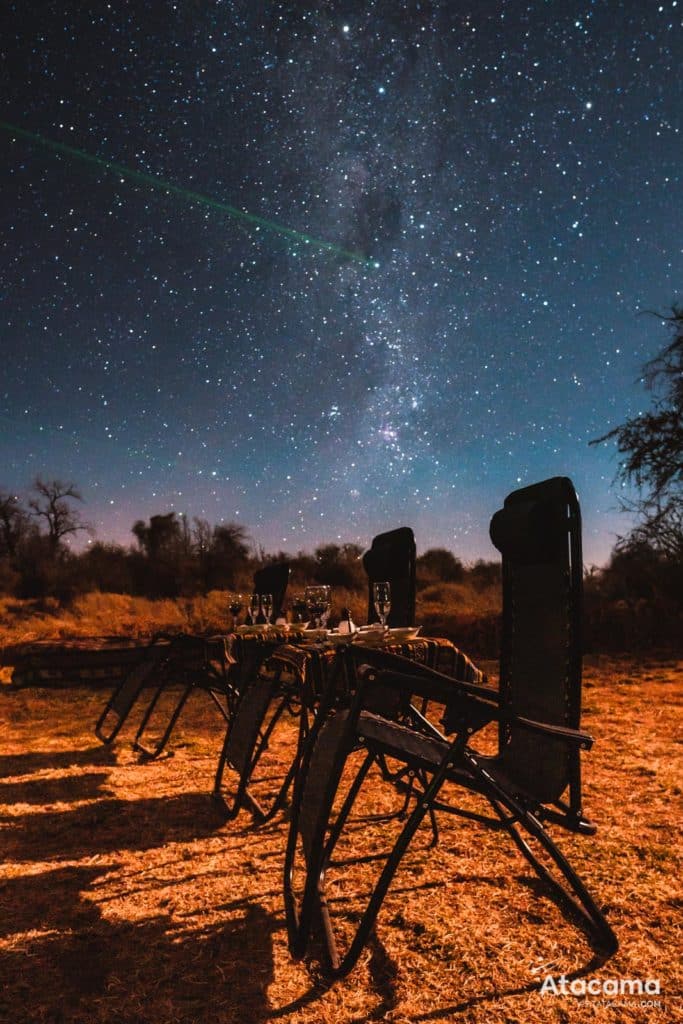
(326, 602)
(310, 595)
(235, 608)
(300, 609)
(381, 596)
(254, 607)
(267, 607)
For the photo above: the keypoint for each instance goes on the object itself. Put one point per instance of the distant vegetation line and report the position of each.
(178, 572)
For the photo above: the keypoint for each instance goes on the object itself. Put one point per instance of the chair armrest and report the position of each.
(583, 740)
(435, 686)
(468, 705)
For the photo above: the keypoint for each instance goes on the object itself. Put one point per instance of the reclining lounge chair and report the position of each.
(190, 663)
(532, 780)
(391, 557)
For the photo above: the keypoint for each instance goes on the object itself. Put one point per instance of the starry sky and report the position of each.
(329, 268)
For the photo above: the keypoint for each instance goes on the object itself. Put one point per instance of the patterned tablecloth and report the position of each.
(284, 653)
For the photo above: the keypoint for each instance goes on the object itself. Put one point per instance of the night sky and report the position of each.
(456, 213)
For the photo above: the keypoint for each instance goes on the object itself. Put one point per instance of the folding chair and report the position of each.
(255, 771)
(391, 557)
(273, 579)
(153, 660)
(186, 662)
(191, 662)
(533, 779)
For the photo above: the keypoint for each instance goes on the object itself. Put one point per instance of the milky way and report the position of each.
(324, 272)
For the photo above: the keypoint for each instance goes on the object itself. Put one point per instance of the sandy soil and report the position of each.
(126, 896)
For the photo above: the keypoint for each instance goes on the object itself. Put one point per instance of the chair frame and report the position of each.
(379, 716)
(264, 699)
(168, 660)
(161, 665)
(391, 557)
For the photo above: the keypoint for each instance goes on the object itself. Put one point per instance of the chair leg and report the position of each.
(106, 730)
(261, 815)
(339, 966)
(241, 738)
(295, 710)
(574, 895)
(245, 742)
(345, 809)
(314, 791)
(318, 850)
(158, 747)
(126, 695)
(224, 710)
(578, 898)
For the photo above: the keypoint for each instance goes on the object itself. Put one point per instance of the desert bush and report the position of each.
(9, 577)
(484, 574)
(465, 614)
(439, 564)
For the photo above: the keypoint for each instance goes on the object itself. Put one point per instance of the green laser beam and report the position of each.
(193, 197)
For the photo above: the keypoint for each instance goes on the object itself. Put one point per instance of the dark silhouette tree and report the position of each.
(227, 554)
(340, 565)
(15, 524)
(232, 539)
(441, 564)
(652, 446)
(51, 505)
(163, 544)
(107, 567)
(162, 536)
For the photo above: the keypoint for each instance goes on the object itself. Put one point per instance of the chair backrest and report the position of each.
(273, 579)
(538, 532)
(391, 557)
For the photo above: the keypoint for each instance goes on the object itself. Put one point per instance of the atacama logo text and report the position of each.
(605, 987)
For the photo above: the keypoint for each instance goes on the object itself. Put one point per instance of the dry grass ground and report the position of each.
(127, 898)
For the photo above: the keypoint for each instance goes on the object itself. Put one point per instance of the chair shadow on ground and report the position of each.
(69, 963)
(36, 761)
(85, 786)
(441, 1012)
(109, 825)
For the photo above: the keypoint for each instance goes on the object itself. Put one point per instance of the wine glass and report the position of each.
(381, 596)
(326, 604)
(311, 599)
(267, 607)
(318, 601)
(300, 609)
(235, 608)
(254, 607)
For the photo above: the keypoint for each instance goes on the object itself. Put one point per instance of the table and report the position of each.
(279, 672)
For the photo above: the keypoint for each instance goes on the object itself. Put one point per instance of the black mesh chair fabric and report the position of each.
(183, 663)
(533, 779)
(391, 557)
(273, 579)
(538, 533)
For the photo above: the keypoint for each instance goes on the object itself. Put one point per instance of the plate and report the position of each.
(372, 637)
(404, 632)
(333, 637)
(314, 634)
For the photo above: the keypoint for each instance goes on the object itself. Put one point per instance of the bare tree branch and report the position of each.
(652, 446)
(52, 504)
